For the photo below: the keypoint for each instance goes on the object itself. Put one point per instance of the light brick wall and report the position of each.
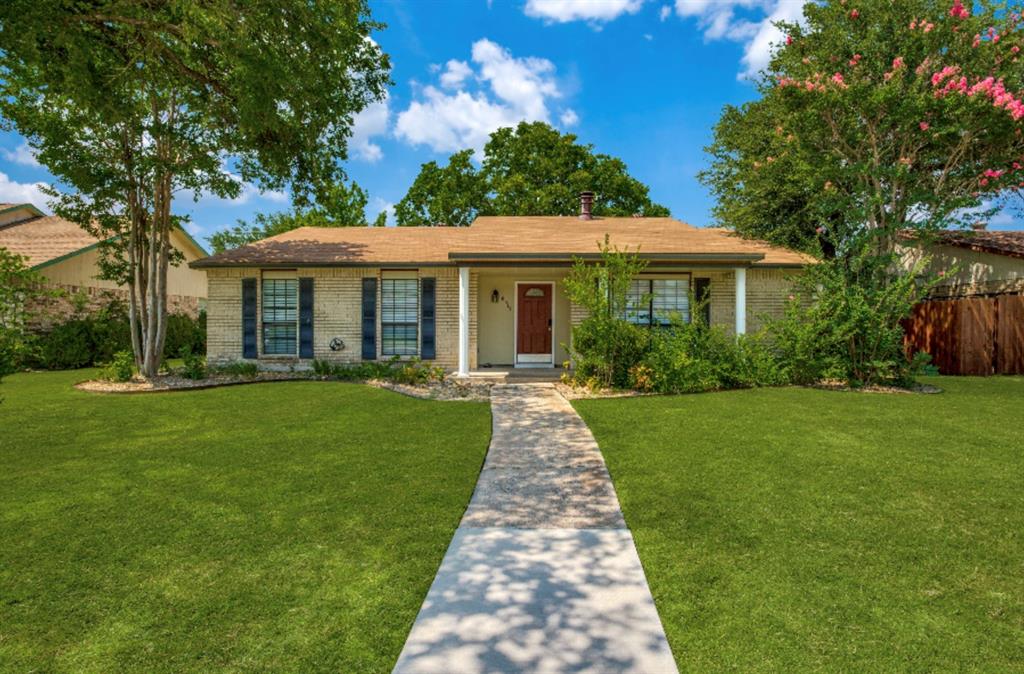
(337, 301)
(337, 309)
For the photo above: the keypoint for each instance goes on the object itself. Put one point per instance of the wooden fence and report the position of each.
(977, 335)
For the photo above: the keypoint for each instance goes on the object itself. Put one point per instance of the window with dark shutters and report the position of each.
(305, 318)
(428, 341)
(369, 318)
(249, 344)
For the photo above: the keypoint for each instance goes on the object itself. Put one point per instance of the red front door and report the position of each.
(533, 332)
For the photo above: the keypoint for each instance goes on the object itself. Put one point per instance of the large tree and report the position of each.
(129, 103)
(343, 206)
(876, 117)
(531, 169)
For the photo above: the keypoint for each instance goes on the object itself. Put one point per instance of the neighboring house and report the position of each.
(974, 263)
(488, 295)
(67, 256)
(973, 321)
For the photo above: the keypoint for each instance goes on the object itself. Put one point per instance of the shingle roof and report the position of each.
(502, 238)
(45, 238)
(1001, 243)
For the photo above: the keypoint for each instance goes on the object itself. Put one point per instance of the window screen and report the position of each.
(280, 316)
(658, 301)
(399, 307)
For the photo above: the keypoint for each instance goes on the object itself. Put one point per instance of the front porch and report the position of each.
(515, 323)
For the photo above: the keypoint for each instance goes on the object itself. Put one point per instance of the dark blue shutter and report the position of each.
(428, 341)
(369, 318)
(305, 318)
(249, 344)
(702, 293)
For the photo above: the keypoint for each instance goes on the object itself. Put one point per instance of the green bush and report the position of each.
(691, 357)
(185, 331)
(843, 321)
(121, 368)
(95, 339)
(605, 350)
(412, 371)
(238, 368)
(194, 364)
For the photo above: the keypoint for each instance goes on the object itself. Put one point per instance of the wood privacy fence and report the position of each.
(977, 335)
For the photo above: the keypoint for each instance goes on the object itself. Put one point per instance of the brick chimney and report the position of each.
(979, 226)
(586, 205)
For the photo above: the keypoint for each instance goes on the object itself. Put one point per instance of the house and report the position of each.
(67, 256)
(468, 298)
(973, 321)
(974, 263)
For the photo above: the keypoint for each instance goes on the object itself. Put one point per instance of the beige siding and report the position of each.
(977, 272)
(81, 270)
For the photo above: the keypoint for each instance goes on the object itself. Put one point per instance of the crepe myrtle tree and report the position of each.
(876, 117)
(129, 104)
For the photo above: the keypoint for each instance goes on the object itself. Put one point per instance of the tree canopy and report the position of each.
(531, 169)
(129, 104)
(876, 117)
(344, 206)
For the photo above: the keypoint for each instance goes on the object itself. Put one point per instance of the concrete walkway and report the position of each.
(542, 574)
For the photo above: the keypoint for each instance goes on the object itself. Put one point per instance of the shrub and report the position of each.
(691, 357)
(844, 321)
(194, 364)
(238, 368)
(604, 346)
(412, 371)
(121, 368)
(185, 331)
(66, 346)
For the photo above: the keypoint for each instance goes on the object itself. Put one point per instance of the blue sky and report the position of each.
(644, 80)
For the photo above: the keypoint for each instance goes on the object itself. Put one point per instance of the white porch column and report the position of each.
(741, 300)
(463, 322)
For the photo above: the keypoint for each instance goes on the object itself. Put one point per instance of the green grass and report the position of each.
(796, 529)
(275, 527)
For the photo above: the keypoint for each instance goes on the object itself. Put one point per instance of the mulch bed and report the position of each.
(446, 389)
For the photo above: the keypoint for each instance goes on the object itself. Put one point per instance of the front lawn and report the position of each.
(276, 527)
(795, 529)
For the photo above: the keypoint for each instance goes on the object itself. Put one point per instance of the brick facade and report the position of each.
(337, 300)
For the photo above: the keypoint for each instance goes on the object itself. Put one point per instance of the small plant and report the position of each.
(121, 368)
(195, 364)
(238, 368)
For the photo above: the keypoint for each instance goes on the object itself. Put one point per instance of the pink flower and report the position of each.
(854, 14)
(1014, 49)
(820, 230)
(992, 173)
(958, 10)
(838, 80)
(789, 39)
(913, 24)
(977, 41)
(942, 272)
(924, 126)
(929, 27)
(1016, 166)
(983, 182)
(897, 63)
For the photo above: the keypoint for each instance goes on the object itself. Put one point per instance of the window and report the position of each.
(658, 301)
(280, 316)
(399, 306)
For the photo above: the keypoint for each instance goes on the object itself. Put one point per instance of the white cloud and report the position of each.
(505, 90)
(378, 206)
(22, 154)
(664, 12)
(719, 21)
(455, 74)
(371, 121)
(592, 11)
(569, 117)
(14, 192)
